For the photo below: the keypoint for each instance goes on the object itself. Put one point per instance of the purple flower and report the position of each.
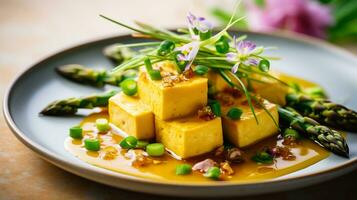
(188, 52)
(198, 24)
(244, 49)
(302, 16)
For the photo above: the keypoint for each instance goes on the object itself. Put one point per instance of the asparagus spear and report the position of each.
(324, 111)
(118, 54)
(322, 135)
(70, 106)
(81, 74)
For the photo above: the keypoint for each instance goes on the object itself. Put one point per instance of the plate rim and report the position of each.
(60, 162)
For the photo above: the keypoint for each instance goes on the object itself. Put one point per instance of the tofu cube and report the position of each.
(246, 131)
(189, 136)
(132, 116)
(169, 102)
(271, 90)
(217, 82)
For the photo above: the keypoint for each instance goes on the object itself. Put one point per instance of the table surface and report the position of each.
(31, 30)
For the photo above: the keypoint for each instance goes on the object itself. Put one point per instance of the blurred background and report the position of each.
(33, 29)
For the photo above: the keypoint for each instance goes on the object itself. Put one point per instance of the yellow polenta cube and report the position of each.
(189, 136)
(132, 116)
(246, 131)
(180, 99)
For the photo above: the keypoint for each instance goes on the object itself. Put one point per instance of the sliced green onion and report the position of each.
(201, 70)
(264, 65)
(205, 35)
(92, 144)
(213, 173)
(76, 132)
(154, 74)
(183, 169)
(141, 144)
(155, 149)
(263, 158)
(222, 45)
(216, 107)
(129, 142)
(289, 132)
(165, 48)
(102, 125)
(129, 87)
(234, 113)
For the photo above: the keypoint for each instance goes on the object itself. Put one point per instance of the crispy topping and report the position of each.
(204, 165)
(169, 79)
(219, 151)
(226, 168)
(234, 155)
(233, 92)
(283, 152)
(206, 113)
(188, 74)
(109, 153)
(290, 141)
(138, 157)
(225, 99)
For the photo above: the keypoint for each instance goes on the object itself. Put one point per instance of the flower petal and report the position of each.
(191, 19)
(231, 56)
(235, 67)
(246, 47)
(251, 61)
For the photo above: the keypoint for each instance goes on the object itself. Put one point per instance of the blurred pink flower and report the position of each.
(302, 16)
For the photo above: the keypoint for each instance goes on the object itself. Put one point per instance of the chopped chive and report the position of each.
(222, 45)
(141, 144)
(148, 64)
(155, 149)
(234, 113)
(129, 142)
(92, 144)
(263, 158)
(289, 132)
(183, 169)
(216, 107)
(201, 70)
(264, 65)
(165, 48)
(102, 125)
(213, 173)
(129, 87)
(154, 74)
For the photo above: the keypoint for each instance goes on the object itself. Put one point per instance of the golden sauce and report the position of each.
(306, 152)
